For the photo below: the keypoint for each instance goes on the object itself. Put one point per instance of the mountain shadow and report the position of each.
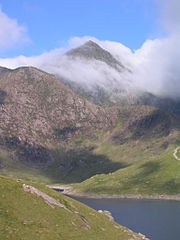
(24, 152)
(58, 165)
(78, 164)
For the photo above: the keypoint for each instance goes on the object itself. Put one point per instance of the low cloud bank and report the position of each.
(155, 66)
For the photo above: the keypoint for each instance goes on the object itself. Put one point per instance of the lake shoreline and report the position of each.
(129, 196)
(67, 190)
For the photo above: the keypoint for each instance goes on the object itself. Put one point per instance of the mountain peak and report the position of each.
(91, 43)
(87, 50)
(90, 50)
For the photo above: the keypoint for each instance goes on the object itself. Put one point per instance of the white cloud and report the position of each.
(11, 32)
(155, 65)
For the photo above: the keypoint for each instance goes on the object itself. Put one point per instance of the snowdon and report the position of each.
(57, 131)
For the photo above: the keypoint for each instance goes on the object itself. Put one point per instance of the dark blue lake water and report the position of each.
(158, 220)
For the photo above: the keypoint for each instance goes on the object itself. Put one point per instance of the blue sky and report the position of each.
(50, 23)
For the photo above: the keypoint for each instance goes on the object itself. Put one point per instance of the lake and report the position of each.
(158, 220)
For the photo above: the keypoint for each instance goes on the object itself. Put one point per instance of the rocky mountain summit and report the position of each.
(99, 76)
(116, 86)
(92, 51)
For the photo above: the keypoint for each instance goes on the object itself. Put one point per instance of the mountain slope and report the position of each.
(39, 119)
(32, 99)
(33, 212)
(153, 176)
(146, 144)
(51, 135)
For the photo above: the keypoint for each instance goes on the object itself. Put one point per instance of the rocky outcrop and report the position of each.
(108, 214)
(49, 200)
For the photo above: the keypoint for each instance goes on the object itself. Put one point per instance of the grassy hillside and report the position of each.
(135, 157)
(27, 216)
(152, 169)
(146, 155)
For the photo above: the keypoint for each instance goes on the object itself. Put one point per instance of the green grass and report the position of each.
(159, 175)
(25, 216)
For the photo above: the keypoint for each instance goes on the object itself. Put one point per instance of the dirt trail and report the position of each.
(175, 153)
